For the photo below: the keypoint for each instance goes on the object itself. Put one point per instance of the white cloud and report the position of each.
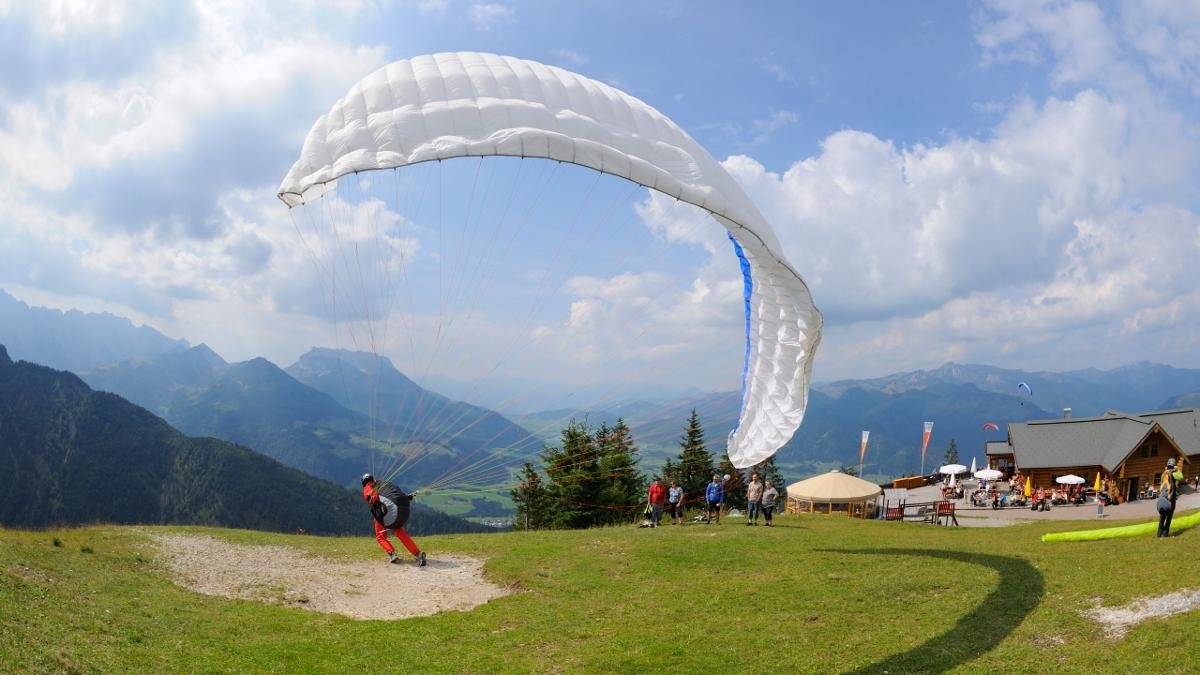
(1167, 35)
(488, 16)
(1074, 32)
(777, 70)
(574, 57)
(764, 128)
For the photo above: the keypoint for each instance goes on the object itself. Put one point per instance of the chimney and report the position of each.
(1066, 413)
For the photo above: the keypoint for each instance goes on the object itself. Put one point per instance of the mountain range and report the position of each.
(333, 414)
(72, 455)
(75, 340)
(958, 398)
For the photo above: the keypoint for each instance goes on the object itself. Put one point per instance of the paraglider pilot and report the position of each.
(389, 508)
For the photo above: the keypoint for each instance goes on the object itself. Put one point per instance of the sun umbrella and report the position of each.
(972, 465)
(951, 469)
(988, 474)
(1028, 486)
(1070, 479)
(1097, 488)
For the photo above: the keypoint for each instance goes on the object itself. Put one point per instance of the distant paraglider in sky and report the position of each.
(991, 425)
(1026, 387)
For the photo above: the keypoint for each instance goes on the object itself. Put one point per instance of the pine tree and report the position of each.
(530, 497)
(670, 471)
(622, 485)
(573, 473)
(695, 461)
(952, 453)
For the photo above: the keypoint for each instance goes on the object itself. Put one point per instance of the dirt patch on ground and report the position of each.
(361, 590)
(1118, 620)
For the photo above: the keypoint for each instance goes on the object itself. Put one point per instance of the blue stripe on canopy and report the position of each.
(748, 286)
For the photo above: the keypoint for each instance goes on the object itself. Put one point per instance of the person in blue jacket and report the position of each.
(714, 494)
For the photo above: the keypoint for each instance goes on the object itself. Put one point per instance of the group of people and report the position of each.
(760, 500)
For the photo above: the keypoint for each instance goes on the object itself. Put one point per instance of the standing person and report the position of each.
(389, 508)
(754, 492)
(675, 503)
(769, 496)
(1168, 492)
(656, 497)
(714, 494)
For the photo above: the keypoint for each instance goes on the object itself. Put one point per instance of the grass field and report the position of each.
(815, 594)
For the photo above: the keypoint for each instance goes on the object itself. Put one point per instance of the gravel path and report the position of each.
(361, 590)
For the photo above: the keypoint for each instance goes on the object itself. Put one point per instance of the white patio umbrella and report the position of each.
(1070, 479)
(952, 469)
(972, 466)
(988, 474)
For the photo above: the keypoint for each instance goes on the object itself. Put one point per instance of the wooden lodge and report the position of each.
(1128, 451)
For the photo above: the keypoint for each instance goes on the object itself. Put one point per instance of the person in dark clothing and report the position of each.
(389, 509)
(1168, 491)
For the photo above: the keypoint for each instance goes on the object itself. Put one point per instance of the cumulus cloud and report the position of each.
(488, 16)
(136, 167)
(1062, 237)
(1075, 33)
(573, 57)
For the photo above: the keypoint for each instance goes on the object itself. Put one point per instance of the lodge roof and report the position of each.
(1182, 425)
(1090, 441)
(992, 448)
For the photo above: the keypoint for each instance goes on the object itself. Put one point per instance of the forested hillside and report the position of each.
(71, 455)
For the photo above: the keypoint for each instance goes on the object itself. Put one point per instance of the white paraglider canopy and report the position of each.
(479, 105)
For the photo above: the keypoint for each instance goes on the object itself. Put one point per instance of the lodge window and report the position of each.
(1154, 449)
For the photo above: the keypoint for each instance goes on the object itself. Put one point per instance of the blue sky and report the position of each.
(1009, 182)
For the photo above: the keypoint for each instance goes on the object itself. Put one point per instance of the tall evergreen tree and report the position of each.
(952, 453)
(670, 471)
(573, 473)
(695, 461)
(622, 485)
(530, 497)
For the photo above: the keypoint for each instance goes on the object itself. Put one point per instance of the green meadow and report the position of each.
(815, 594)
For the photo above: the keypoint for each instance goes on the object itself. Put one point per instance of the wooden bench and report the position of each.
(945, 510)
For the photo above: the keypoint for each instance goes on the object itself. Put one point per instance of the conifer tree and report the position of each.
(573, 473)
(530, 497)
(695, 461)
(952, 453)
(622, 485)
(670, 471)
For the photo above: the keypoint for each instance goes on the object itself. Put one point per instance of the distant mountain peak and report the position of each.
(4, 360)
(205, 351)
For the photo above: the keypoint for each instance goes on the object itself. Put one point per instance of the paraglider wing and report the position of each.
(1026, 387)
(991, 425)
(468, 104)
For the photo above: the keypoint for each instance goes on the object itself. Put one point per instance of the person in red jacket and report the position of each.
(389, 509)
(657, 498)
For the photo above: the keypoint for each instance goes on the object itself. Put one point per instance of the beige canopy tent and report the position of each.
(833, 492)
